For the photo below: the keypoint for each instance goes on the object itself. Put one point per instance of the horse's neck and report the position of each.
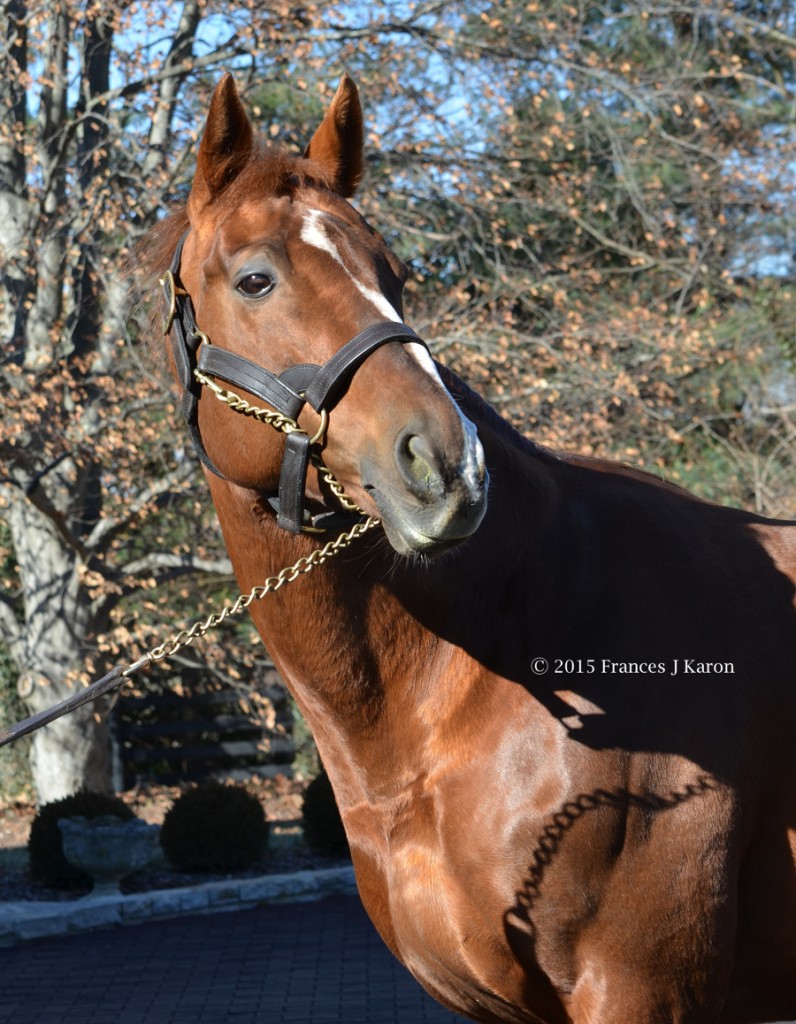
(336, 634)
(366, 641)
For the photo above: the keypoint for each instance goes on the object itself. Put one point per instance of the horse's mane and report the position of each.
(141, 269)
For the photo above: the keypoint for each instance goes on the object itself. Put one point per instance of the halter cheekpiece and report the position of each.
(306, 383)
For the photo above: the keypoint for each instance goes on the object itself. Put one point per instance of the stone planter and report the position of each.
(108, 849)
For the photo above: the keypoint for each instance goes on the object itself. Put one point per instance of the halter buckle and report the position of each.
(170, 292)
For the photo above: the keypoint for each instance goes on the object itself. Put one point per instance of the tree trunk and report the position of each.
(14, 208)
(71, 754)
(75, 751)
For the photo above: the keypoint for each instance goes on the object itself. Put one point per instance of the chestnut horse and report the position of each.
(556, 697)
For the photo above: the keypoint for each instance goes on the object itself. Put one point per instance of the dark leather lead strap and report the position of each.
(113, 679)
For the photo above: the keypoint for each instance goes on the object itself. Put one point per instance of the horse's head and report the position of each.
(283, 273)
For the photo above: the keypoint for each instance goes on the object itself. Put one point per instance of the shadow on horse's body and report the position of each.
(563, 749)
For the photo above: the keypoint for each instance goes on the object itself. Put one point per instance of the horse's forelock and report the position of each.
(272, 172)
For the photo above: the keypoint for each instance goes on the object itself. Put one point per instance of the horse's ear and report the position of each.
(225, 147)
(338, 143)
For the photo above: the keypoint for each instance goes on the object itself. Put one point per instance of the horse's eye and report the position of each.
(255, 285)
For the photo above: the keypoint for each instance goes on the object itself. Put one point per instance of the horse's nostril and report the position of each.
(418, 464)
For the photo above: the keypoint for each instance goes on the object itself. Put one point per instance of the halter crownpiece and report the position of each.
(287, 393)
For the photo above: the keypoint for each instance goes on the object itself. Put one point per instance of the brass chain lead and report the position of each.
(273, 583)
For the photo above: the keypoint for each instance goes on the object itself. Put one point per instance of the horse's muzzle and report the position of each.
(437, 501)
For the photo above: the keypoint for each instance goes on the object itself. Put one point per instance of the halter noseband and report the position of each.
(306, 383)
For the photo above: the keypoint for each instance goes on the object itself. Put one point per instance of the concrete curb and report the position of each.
(21, 922)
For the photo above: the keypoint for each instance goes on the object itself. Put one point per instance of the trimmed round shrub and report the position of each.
(323, 826)
(214, 828)
(45, 849)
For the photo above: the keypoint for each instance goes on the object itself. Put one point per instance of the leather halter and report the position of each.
(306, 383)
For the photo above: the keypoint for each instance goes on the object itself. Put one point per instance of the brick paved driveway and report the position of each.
(304, 963)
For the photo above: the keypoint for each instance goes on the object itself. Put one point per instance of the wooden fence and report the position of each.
(202, 733)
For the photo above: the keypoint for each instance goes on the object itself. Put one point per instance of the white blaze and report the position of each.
(314, 233)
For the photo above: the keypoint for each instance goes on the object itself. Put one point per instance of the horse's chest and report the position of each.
(450, 934)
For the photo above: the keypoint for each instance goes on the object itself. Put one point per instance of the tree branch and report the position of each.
(165, 564)
(108, 528)
(163, 567)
